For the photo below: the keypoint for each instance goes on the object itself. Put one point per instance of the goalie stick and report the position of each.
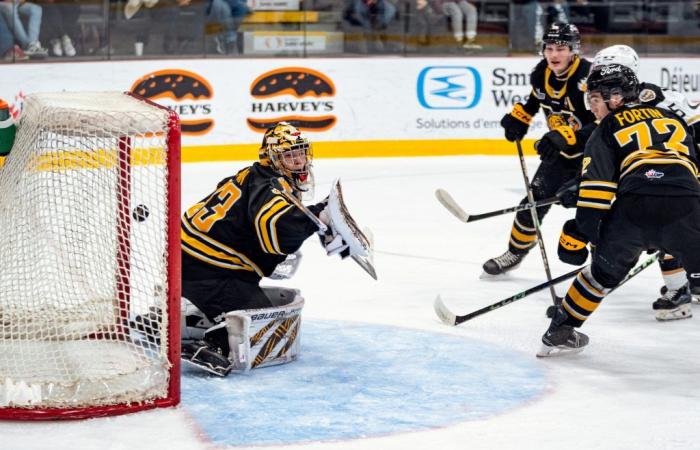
(452, 206)
(450, 318)
(281, 185)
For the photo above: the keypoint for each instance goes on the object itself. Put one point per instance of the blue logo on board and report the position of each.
(449, 87)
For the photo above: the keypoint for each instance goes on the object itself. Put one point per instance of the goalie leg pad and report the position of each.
(273, 334)
(238, 326)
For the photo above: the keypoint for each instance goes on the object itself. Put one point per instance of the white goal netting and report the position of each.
(84, 250)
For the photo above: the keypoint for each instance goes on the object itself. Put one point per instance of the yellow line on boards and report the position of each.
(365, 149)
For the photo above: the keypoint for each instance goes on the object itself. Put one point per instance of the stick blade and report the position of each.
(451, 205)
(446, 316)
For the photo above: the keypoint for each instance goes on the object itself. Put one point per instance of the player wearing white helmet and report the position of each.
(650, 94)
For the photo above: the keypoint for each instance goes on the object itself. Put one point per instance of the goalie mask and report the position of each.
(289, 154)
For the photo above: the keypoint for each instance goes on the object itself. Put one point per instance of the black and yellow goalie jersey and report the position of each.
(243, 229)
(561, 98)
(637, 149)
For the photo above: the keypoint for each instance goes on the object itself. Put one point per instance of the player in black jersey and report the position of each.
(240, 232)
(650, 94)
(558, 84)
(645, 158)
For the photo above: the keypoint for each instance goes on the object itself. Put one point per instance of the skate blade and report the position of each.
(205, 368)
(680, 313)
(559, 350)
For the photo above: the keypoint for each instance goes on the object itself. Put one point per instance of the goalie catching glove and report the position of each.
(572, 244)
(331, 240)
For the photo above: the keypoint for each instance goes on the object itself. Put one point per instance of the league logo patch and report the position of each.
(652, 174)
(647, 95)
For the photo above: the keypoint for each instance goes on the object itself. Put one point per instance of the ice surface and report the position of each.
(634, 387)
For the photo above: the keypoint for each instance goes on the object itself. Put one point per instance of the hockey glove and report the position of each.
(334, 244)
(568, 193)
(555, 141)
(516, 123)
(572, 244)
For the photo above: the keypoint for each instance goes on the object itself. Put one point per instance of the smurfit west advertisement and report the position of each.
(232, 101)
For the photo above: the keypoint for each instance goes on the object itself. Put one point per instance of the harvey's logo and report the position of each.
(300, 96)
(186, 93)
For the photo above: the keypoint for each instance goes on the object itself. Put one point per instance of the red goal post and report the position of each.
(90, 240)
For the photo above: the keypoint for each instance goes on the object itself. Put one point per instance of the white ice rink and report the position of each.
(636, 386)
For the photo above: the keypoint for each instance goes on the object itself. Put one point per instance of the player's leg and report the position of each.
(215, 298)
(619, 246)
(523, 236)
(681, 236)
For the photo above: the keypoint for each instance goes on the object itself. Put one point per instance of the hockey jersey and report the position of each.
(243, 229)
(636, 149)
(561, 98)
(651, 94)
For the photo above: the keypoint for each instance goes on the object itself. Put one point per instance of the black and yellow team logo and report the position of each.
(187, 93)
(298, 95)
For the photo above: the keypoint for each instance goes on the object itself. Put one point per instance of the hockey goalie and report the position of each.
(251, 225)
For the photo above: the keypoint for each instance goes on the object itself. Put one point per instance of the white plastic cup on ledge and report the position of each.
(138, 48)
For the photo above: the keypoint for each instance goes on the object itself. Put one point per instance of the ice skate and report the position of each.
(561, 339)
(505, 263)
(204, 356)
(673, 304)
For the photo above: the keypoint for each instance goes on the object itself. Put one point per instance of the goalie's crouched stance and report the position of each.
(241, 233)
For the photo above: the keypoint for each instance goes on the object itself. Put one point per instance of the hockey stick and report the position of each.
(450, 318)
(452, 206)
(284, 189)
(634, 272)
(536, 221)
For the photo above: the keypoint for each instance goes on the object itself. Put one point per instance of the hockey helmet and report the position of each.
(613, 79)
(560, 33)
(623, 55)
(289, 154)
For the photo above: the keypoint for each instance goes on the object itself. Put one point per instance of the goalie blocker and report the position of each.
(246, 339)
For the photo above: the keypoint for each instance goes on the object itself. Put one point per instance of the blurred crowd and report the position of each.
(39, 29)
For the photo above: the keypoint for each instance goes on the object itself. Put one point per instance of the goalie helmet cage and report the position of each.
(89, 212)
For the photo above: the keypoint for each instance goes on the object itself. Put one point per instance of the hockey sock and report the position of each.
(582, 298)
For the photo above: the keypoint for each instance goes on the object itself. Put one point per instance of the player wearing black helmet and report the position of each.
(644, 157)
(558, 83)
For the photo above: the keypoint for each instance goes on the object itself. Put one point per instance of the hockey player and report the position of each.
(645, 158)
(557, 87)
(239, 234)
(650, 94)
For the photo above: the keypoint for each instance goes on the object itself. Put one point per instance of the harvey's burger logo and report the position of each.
(186, 93)
(300, 96)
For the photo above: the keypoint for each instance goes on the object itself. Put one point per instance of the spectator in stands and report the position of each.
(7, 41)
(184, 21)
(425, 18)
(371, 14)
(461, 13)
(60, 20)
(229, 14)
(525, 26)
(12, 12)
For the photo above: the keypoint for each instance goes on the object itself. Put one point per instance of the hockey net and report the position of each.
(89, 213)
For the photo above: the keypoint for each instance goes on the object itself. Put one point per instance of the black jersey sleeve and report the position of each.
(532, 106)
(598, 184)
(280, 227)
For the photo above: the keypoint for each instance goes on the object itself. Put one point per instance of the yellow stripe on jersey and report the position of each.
(596, 194)
(265, 224)
(213, 252)
(598, 183)
(591, 193)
